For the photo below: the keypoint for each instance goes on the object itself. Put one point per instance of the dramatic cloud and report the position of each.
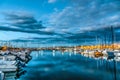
(68, 21)
(7, 28)
(85, 14)
(25, 21)
(51, 1)
(22, 22)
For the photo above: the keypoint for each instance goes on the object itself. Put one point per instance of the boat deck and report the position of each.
(8, 68)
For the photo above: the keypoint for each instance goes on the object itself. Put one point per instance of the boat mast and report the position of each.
(113, 38)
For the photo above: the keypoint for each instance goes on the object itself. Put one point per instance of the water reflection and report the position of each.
(57, 65)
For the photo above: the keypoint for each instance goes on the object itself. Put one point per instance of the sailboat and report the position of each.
(7, 64)
(111, 53)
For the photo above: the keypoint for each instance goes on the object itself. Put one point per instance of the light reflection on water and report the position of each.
(64, 66)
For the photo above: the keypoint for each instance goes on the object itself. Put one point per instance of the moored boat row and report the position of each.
(12, 60)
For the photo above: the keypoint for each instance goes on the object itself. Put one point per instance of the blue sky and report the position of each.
(58, 21)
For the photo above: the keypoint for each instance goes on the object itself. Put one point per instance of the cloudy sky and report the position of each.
(59, 21)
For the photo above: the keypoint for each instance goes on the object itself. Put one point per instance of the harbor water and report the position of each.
(57, 65)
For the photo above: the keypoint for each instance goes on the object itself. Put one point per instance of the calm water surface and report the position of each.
(45, 66)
